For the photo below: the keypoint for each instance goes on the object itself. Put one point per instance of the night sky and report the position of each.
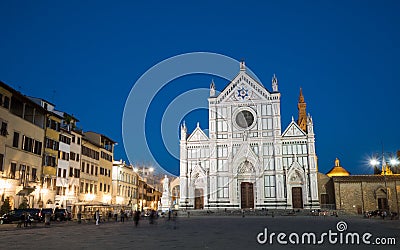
(85, 56)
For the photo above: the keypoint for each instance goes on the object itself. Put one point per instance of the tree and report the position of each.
(5, 208)
(24, 204)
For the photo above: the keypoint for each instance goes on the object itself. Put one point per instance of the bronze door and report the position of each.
(247, 195)
(199, 199)
(297, 197)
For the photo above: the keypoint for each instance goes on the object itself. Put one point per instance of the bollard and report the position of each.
(47, 219)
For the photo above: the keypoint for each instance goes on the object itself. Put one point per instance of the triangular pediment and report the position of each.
(197, 136)
(243, 88)
(293, 130)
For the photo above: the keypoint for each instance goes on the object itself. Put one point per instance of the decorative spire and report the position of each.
(274, 83)
(183, 131)
(301, 106)
(242, 65)
(212, 88)
(198, 124)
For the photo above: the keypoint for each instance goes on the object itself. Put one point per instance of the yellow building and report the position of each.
(90, 158)
(51, 151)
(21, 147)
(106, 152)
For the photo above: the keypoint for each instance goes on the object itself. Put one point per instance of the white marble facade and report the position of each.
(246, 161)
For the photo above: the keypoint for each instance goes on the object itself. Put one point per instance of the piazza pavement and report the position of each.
(194, 232)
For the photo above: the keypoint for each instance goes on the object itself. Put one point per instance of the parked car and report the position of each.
(62, 214)
(45, 211)
(18, 215)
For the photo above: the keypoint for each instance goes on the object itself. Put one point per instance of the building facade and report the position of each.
(21, 147)
(125, 184)
(246, 161)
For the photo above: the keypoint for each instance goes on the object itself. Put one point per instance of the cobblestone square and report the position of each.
(205, 232)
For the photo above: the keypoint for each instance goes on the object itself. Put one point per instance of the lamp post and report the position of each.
(385, 171)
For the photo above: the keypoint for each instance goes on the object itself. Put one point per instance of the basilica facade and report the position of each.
(247, 161)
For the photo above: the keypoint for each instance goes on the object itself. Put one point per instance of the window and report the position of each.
(71, 172)
(87, 168)
(38, 148)
(81, 187)
(222, 165)
(77, 173)
(92, 170)
(34, 174)
(77, 157)
(1, 162)
(64, 173)
(101, 187)
(59, 172)
(269, 164)
(13, 169)
(86, 187)
(3, 130)
(83, 167)
(50, 161)
(52, 144)
(73, 139)
(269, 186)
(65, 139)
(72, 156)
(223, 187)
(108, 185)
(97, 168)
(6, 102)
(16, 140)
(79, 140)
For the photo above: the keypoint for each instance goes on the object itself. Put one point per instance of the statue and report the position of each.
(166, 185)
(165, 198)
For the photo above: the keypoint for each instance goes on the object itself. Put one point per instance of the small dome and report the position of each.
(338, 170)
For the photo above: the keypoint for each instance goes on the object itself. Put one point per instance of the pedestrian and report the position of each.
(136, 217)
(116, 216)
(109, 216)
(122, 214)
(97, 217)
(24, 218)
(152, 215)
(169, 214)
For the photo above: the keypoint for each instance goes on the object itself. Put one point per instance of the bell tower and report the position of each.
(301, 106)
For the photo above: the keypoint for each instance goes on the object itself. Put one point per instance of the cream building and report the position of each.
(247, 161)
(21, 147)
(125, 182)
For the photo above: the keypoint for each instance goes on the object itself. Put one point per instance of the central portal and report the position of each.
(247, 195)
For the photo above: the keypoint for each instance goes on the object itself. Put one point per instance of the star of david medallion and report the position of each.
(243, 93)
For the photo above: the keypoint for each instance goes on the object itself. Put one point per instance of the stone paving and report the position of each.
(196, 232)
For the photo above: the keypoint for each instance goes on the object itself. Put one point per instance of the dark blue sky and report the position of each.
(85, 57)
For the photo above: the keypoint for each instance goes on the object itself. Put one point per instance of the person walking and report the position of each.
(122, 215)
(136, 217)
(97, 217)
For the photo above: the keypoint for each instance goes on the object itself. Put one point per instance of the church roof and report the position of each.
(338, 170)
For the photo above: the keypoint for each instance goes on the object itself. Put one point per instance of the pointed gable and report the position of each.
(197, 135)
(293, 130)
(243, 88)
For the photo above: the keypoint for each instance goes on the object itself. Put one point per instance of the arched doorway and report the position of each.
(247, 195)
(297, 197)
(199, 199)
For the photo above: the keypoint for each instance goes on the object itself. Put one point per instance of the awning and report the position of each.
(26, 191)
